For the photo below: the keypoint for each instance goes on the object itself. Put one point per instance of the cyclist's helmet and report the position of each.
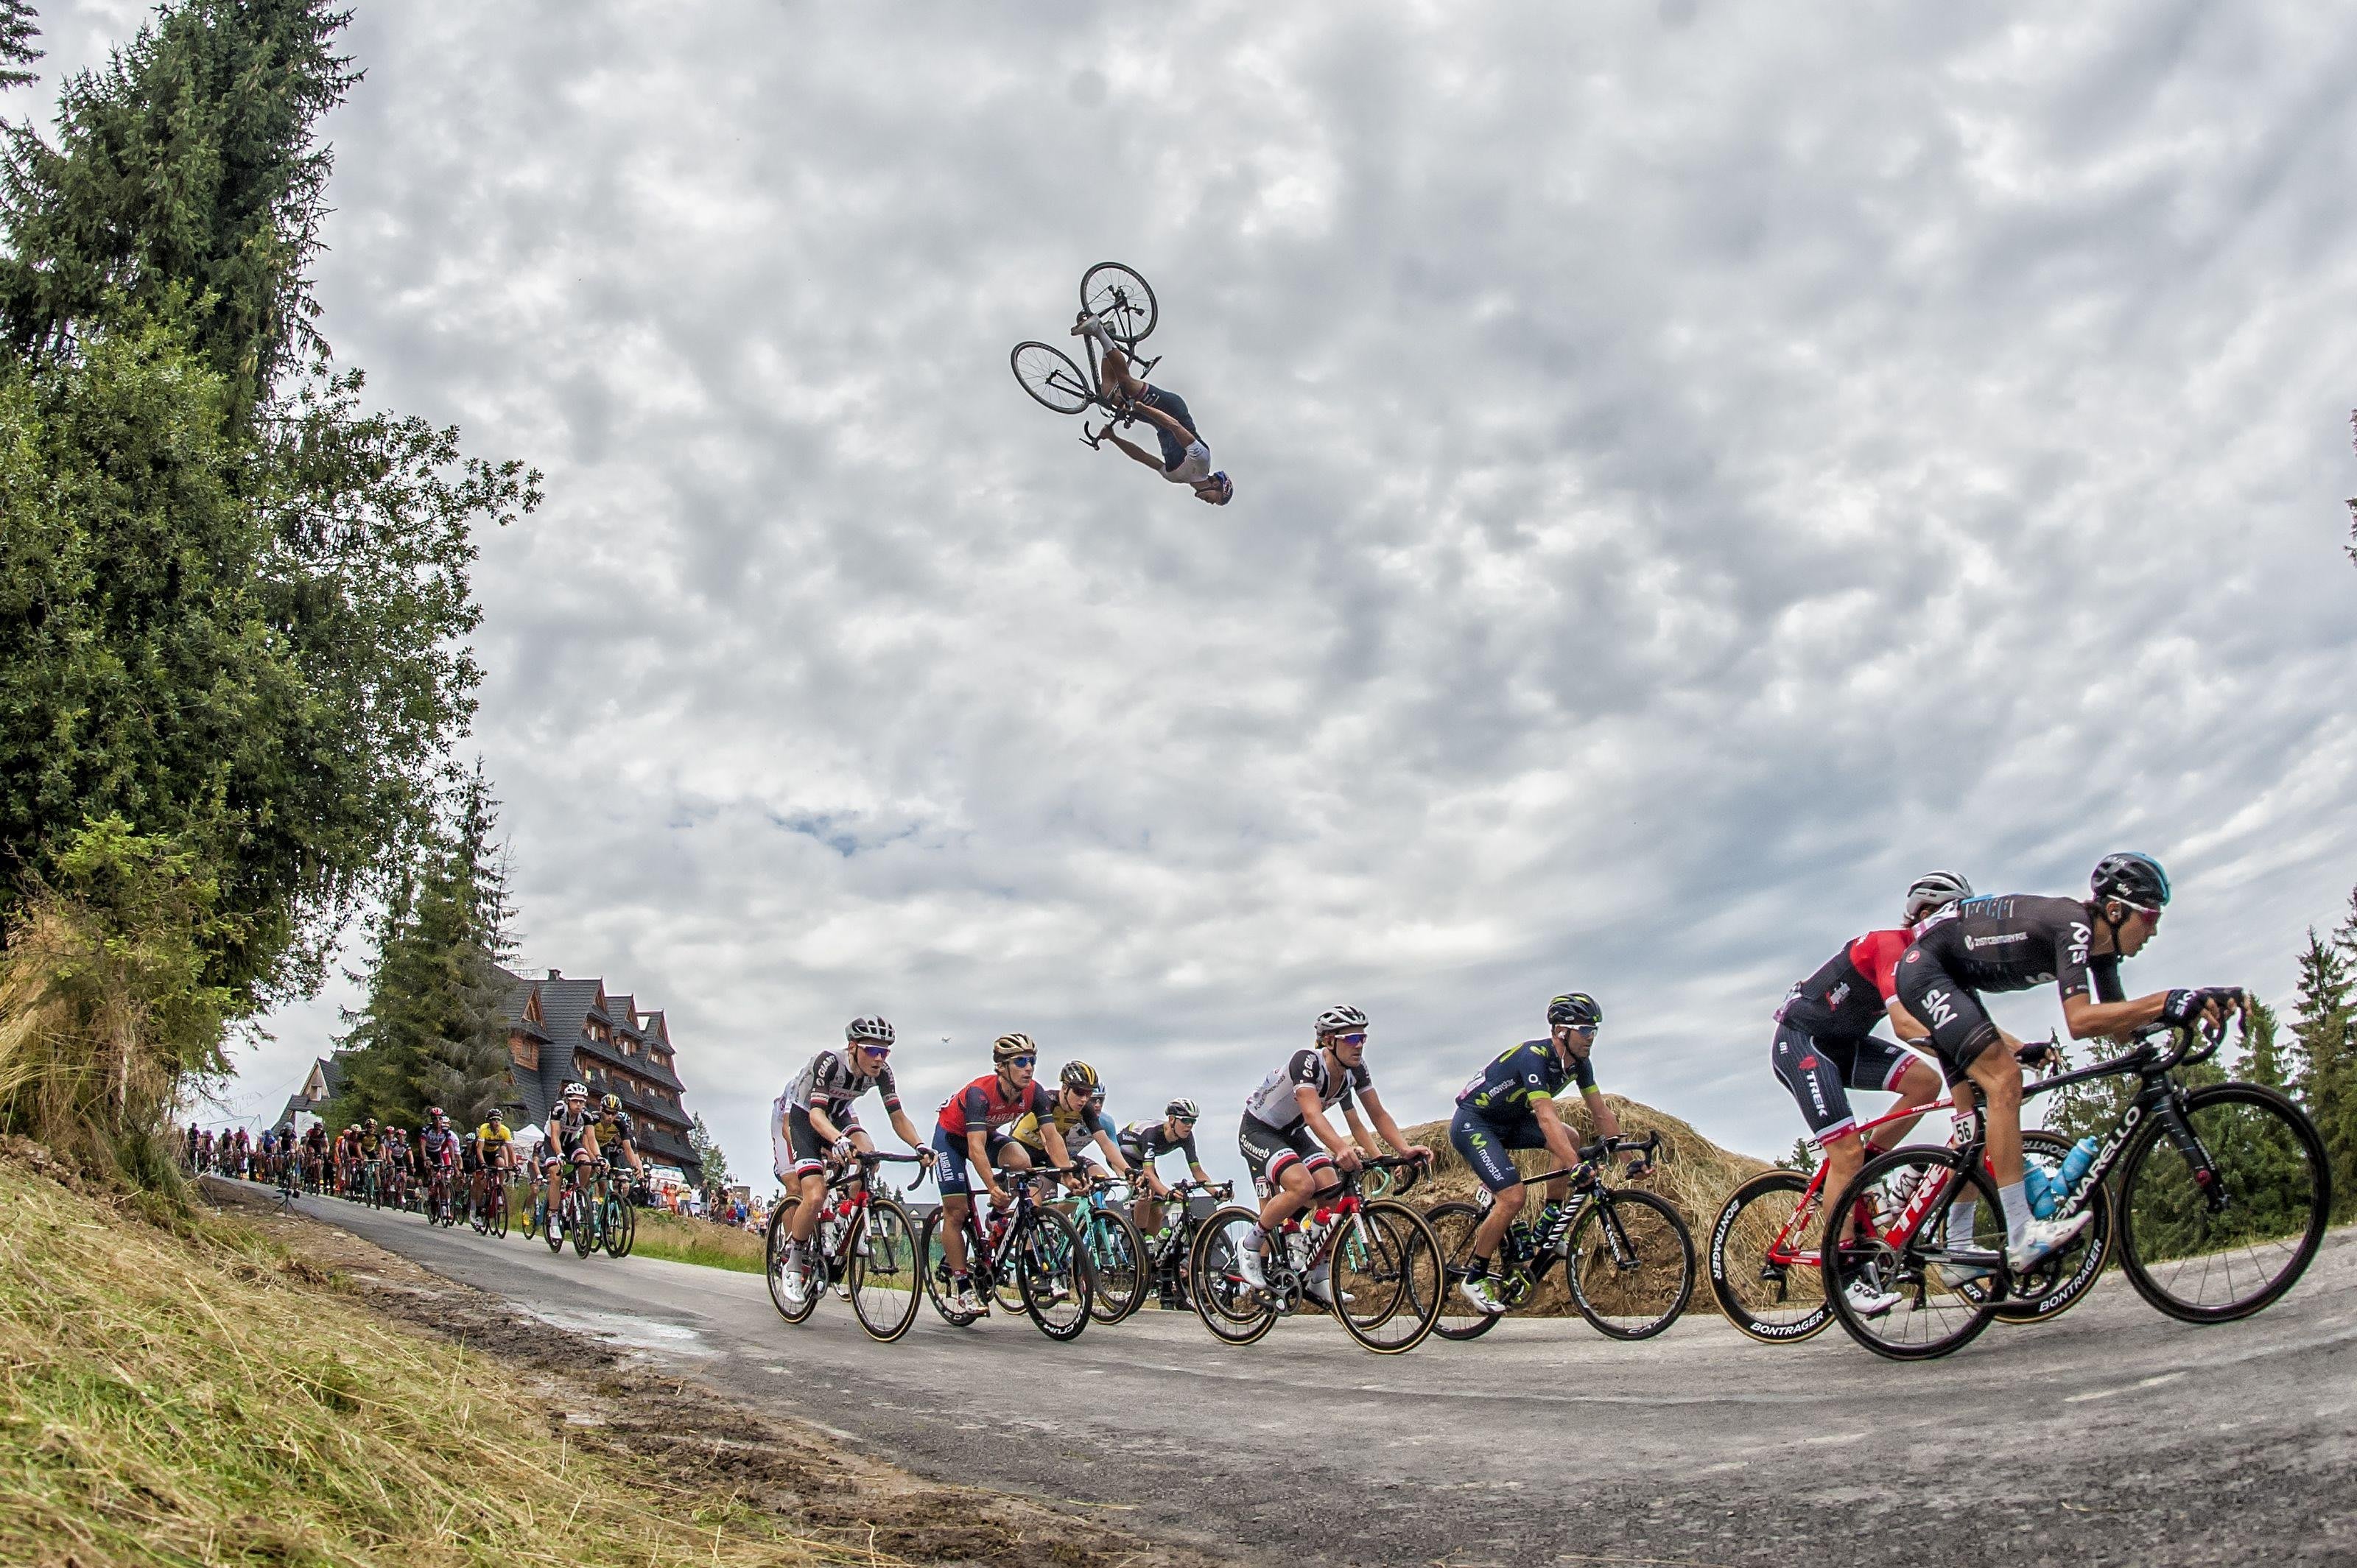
(2132, 878)
(442, 1120)
(1008, 1046)
(1340, 1021)
(371, 1122)
(497, 1117)
(1576, 1008)
(432, 1112)
(1933, 892)
(1227, 490)
(1079, 1077)
(611, 1102)
(1185, 1110)
(576, 1091)
(875, 1029)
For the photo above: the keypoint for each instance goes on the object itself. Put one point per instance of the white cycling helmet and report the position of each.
(1933, 892)
(1340, 1021)
(875, 1029)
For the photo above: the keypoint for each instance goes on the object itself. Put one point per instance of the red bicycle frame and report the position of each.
(1785, 1250)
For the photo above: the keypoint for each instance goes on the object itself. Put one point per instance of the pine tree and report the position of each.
(708, 1152)
(2261, 1057)
(2326, 1067)
(16, 51)
(1804, 1157)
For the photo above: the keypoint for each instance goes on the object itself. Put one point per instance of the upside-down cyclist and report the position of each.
(1143, 1142)
(968, 1133)
(1293, 1150)
(816, 1116)
(1078, 1113)
(1185, 458)
(1509, 1104)
(2013, 941)
(1826, 1046)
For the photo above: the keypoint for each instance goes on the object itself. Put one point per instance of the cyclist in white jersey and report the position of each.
(813, 1118)
(1291, 1147)
(1185, 458)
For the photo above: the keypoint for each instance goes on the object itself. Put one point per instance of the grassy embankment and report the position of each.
(664, 1235)
(192, 1394)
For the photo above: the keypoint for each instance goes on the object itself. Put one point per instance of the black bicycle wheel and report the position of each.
(884, 1272)
(2063, 1280)
(1763, 1261)
(773, 1266)
(1453, 1225)
(1122, 300)
(498, 1202)
(934, 1263)
(581, 1218)
(1389, 1277)
(1631, 1270)
(1116, 1255)
(1946, 1266)
(552, 1225)
(2218, 1229)
(610, 1222)
(1052, 1272)
(629, 1229)
(1048, 375)
(1234, 1312)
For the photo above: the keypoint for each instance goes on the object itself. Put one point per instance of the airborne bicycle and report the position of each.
(1386, 1274)
(1628, 1258)
(1121, 299)
(2214, 1228)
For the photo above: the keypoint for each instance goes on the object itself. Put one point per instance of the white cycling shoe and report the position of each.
(796, 1285)
(2042, 1239)
(1248, 1268)
(1477, 1291)
(1868, 1299)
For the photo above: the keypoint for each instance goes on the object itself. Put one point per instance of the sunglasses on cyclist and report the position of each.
(874, 1049)
(1022, 1061)
(1358, 1039)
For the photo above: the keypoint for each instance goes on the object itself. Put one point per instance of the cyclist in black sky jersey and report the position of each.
(1143, 1142)
(2016, 941)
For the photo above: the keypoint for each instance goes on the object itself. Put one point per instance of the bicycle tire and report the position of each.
(499, 1212)
(1915, 1265)
(629, 1229)
(581, 1216)
(1117, 1254)
(610, 1225)
(1048, 373)
(1454, 1224)
(884, 1271)
(773, 1266)
(1644, 1308)
(552, 1226)
(1124, 302)
(2062, 1280)
(534, 1216)
(1753, 1294)
(2162, 1220)
(1052, 1271)
(1404, 1272)
(935, 1264)
(1233, 1312)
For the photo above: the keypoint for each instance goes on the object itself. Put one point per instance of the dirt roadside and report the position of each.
(688, 1440)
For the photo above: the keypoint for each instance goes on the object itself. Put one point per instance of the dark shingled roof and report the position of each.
(566, 1008)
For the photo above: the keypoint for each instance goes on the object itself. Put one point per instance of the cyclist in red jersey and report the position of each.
(1826, 1046)
(968, 1131)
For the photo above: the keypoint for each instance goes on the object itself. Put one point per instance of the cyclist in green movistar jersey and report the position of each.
(1509, 1105)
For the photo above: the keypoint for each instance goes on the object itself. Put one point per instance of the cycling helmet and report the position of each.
(1227, 488)
(1933, 892)
(1340, 1021)
(610, 1102)
(577, 1090)
(1576, 1008)
(371, 1122)
(875, 1029)
(1079, 1076)
(497, 1118)
(1007, 1047)
(1185, 1110)
(2132, 878)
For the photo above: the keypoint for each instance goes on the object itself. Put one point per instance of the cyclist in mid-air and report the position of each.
(814, 1116)
(1185, 458)
(1509, 1104)
(1293, 1150)
(2013, 941)
(1826, 1046)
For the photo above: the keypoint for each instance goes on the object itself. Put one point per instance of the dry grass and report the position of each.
(664, 1235)
(204, 1397)
(1695, 1174)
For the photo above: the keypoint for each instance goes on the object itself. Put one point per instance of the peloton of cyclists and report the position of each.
(967, 1137)
(816, 1117)
(1293, 1150)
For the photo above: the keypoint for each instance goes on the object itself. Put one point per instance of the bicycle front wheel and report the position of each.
(1453, 1225)
(882, 1272)
(1048, 375)
(2229, 1215)
(1388, 1277)
(1052, 1273)
(1234, 1312)
(629, 1229)
(552, 1225)
(1633, 1264)
(498, 1219)
(1122, 300)
(611, 1223)
(1116, 1258)
(1932, 1262)
(1763, 1266)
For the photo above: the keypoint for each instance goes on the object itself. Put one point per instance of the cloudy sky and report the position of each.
(1696, 468)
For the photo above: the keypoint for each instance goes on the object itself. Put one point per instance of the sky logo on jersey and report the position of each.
(2080, 937)
(1942, 1006)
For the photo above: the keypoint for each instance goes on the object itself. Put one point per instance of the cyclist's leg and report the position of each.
(809, 1173)
(957, 1197)
(1114, 376)
(1483, 1148)
(1894, 1069)
(1817, 1080)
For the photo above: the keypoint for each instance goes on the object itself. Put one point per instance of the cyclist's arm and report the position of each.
(1559, 1140)
(1389, 1128)
(1052, 1140)
(1113, 1152)
(1202, 1176)
(905, 1130)
(2087, 1019)
(828, 1132)
(977, 1153)
(1152, 460)
(1313, 1116)
(1905, 1025)
(1607, 1124)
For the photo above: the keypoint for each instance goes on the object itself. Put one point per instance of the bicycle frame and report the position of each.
(1784, 1252)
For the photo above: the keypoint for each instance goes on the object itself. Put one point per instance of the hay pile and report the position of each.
(1693, 1172)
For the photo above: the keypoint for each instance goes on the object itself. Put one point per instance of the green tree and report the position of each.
(2262, 1057)
(1802, 1158)
(16, 51)
(2326, 1072)
(433, 1031)
(706, 1149)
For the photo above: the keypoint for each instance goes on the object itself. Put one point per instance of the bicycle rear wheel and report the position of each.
(882, 1270)
(1763, 1270)
(1122, 300)
(1631, 1264)
(1453, 1225)
(581, 1218)
(629, 1229)
(499, 1216)
(934, 1263)
(773, 1265)
(1052, 1272)
(1233, 1311)
(2059, 1283)
(611, 1222)
(1116, 1257)
(1048, 375)
(1946, 1265)
(1388, 1277)
(2217, 1227)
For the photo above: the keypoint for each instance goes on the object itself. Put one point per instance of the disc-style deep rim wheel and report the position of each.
(1231, 1310)
(773, 1266)
(1388, 1278)
(629, 1229)
(2062, 1280)
(2221, 1252)
(1121, 299)
(1947, 1274)
(1454, 1224)
(1052, 1272)
(884, 1269)
(1779, 1300)
(1048, 373)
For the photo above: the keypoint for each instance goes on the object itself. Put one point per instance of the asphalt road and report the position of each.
(2111, 1436)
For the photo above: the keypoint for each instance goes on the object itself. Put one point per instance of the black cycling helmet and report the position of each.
(610, 1102)
(2131, 879)
(1576, 1008)
(497, 1116)
(1079, 1077)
